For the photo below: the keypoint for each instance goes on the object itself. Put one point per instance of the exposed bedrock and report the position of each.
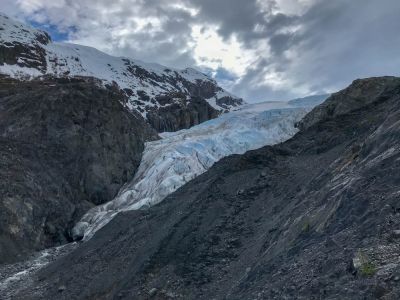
(66, 145)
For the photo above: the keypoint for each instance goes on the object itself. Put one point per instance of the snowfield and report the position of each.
(178, 157)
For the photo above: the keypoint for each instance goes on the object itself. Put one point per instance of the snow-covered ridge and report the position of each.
(31, 53)
(180, 156)
(13, 31)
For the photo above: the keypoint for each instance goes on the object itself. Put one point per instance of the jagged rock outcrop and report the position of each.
(181, 115)
(314, 217)
(66, 145)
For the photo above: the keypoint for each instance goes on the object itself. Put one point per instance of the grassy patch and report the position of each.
(368, 269)
(306, 227)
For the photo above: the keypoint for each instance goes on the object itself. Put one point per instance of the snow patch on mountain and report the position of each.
(213, 101)
(178, 157)
(16, 71)
(14, 31)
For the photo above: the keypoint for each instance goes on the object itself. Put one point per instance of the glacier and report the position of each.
(178, 157)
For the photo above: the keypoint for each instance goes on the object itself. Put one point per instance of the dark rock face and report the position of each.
(203, 89)
(180, 114)
(227, 102)
(31, 56)
(312, 218)
(66, 144)
(178, 110)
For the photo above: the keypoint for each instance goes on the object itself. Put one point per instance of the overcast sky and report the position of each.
(258, 49)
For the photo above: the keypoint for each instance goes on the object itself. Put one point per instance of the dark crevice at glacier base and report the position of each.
(127, 180)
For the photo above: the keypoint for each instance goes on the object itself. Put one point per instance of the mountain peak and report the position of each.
(13, 31)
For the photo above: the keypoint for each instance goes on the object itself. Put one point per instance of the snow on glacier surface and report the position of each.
(178, 157)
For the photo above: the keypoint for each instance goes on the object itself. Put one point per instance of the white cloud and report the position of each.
(211, 51)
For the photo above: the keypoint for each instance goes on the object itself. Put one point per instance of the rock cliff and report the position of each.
(66, 145)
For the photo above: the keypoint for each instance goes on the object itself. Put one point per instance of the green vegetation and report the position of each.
(368, 269)
(306, 227)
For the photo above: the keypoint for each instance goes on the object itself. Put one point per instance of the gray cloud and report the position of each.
(297, 47)
(338, 41)
(233, 16)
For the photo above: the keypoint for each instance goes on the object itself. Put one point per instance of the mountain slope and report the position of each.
(314, 217)
(169, 99)
(66, 145)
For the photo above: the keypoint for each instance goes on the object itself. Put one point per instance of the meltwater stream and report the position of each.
(178, 157)
(14, 277)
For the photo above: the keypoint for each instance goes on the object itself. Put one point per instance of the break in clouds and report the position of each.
(258, 49)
